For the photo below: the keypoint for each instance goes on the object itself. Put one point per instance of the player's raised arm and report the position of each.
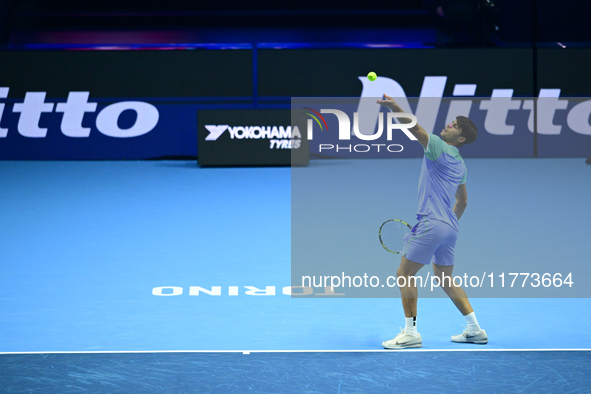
(420, 133)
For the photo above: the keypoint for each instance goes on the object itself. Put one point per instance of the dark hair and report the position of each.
(468, 128)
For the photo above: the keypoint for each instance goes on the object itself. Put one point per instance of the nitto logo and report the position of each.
(500, 115)
(74, 109)
(279, 137)
(497, 108)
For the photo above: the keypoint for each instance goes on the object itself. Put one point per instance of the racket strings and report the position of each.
(392, 235)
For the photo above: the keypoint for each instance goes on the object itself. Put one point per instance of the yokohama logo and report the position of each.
(252, 132)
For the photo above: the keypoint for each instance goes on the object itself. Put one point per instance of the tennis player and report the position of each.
(442, 201)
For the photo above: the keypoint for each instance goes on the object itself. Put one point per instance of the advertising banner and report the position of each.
(113, 105)
(562, 72)
(360, 128)
(249, 138)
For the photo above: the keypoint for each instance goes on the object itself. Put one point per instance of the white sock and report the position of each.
(410, 325)
(472, 323)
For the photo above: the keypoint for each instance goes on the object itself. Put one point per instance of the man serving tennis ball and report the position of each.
(443, 177)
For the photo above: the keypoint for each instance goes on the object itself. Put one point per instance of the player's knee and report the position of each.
(446, 281)
(402, 272)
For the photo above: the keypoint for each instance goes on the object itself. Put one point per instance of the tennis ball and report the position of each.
(372, 76)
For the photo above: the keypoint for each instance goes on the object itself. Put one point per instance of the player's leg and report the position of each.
(420, 245)
(443, 266)
(408, 286)
(418, 251)
(409, 337)
(453, 291)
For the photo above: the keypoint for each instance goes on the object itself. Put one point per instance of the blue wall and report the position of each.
(178, 83)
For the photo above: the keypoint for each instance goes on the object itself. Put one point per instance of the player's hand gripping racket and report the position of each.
(392, 233)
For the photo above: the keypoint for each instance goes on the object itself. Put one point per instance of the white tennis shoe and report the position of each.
(468, 336)
(404, 341)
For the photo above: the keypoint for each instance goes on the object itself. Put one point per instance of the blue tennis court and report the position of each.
(164, 256)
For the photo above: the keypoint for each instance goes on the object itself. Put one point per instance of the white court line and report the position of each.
(298, 351)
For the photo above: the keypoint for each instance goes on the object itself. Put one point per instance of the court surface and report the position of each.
(85, 244)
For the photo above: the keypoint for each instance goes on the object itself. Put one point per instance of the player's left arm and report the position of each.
(461, 200)
(420, 134)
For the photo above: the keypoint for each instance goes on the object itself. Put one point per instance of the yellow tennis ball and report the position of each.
(372, 76)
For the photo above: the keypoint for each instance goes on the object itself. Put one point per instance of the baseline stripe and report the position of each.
(299, 351)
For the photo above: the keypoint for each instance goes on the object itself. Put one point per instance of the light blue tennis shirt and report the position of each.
(442, 172)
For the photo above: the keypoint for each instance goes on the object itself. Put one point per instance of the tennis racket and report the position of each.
(392, 233)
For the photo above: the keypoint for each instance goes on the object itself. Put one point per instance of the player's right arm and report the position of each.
(461, 200)
(420, 134)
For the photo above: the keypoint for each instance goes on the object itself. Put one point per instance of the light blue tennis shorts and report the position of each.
(431, 239)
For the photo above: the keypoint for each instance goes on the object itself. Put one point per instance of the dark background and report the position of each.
(518, 21)
(304, 73)
(184, 57)
(118, 74)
